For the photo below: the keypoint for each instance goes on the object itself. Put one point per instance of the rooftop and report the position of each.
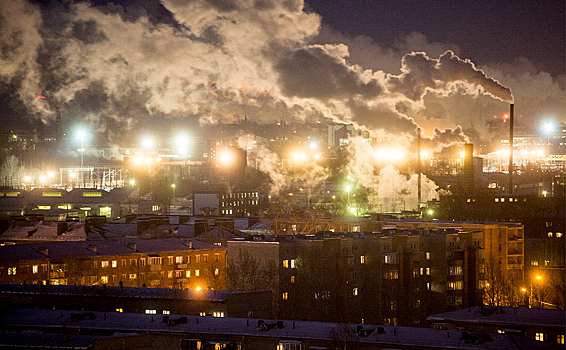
(291, 330)
(518, 316)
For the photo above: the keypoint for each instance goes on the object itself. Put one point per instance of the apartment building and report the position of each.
(396, 277)
(161, 263)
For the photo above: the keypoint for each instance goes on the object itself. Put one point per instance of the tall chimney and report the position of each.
(511, 120)
(419, 169)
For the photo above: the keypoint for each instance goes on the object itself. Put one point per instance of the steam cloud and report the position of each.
(266, 59)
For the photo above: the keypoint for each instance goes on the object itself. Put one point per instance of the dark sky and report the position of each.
(485, 31)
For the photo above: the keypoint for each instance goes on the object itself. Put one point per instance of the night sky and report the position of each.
(486, 31)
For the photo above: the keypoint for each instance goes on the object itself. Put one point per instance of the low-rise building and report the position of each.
(134, 262)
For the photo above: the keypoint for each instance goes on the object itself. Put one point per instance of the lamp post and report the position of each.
(173, 187)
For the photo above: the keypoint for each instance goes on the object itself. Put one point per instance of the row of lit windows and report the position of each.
(557, 234)
(540, 337)
(292, 263)
(159, 261)
(239, 203)
(241, 195)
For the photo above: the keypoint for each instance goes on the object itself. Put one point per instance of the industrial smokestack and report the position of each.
(511, 120)
(419, 168)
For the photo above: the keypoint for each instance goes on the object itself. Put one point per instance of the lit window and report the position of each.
(35, 269)
(355, 291)
(362, 259)
(105, 264)
(539, 336)
(105, 211)
(197, 273)
(455, 285)
(188, 274)
(427, 255)
(534, 262)
(286, 264)
(428, 286)
(52, 194)
(43, 207)
(166, 312)
(292, 279)
(550, 234)
(216, 272)
(558, 234)
(285, 295)
(178, 260)
(150, 312)
(293, 263)
(427, 271)
(170, 260)
(104, 280)
(120, 310)
(390, 258)
(132, 276)
(92, 194)
(114, 263)
(170, 274)
(560, 339)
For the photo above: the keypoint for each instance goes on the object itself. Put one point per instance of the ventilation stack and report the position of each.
(511, 120)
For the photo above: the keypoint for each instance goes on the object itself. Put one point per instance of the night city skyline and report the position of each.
(282, 174)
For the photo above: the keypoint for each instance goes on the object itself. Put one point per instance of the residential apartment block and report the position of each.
(162, 263)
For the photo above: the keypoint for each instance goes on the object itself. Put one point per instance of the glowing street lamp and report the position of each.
(147, 142)
(348, 188)
(173, 186)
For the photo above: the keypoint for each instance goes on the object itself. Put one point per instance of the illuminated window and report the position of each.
(12, 194)
(92, 194)
(65, 206)
(197, 273)
(150, 312)
(362, 259)
(169, 274)
(550, 234)
(166, 312)
(216, 272)
(170, 260)
(35, 269)
(156, 260)
(292, 279)
(428, 286)
(285, 295)
(355, 291)
(155, 208)
(560, 339)
(539, 336)
(104, 280)
(558, 234)
(43, 207)
(289, 345)
(391, 258)
(133, 276)
(188, 273)
(104, 264)
(105, 211)
(51, 194)
(427, 254)
(11, 271)
(178, 260)
(534, 262)
(286, 264)
(293, 263)
(120, 310)
(455, 285)
(114, 263)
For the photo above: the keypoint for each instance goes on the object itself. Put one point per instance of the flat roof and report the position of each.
(289, 330)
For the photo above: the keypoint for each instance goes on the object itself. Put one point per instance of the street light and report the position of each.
(173, 187)
(348, 188)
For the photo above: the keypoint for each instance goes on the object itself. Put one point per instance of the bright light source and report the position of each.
(317, 156)
(173, 185)
(42, 178)
(353, 210)
(462, 154)
(348, 188)
(182, 143)
(132, 182)
(226, 157)
(539, 277)
(430, 212)
(81, 134)
(313, 145)
(148, 161)
(27, 178)
(50, 174)
(72, 175)
(424, 154)
(197, 288)
(147, 142)
(548, 127)
(303, 156)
